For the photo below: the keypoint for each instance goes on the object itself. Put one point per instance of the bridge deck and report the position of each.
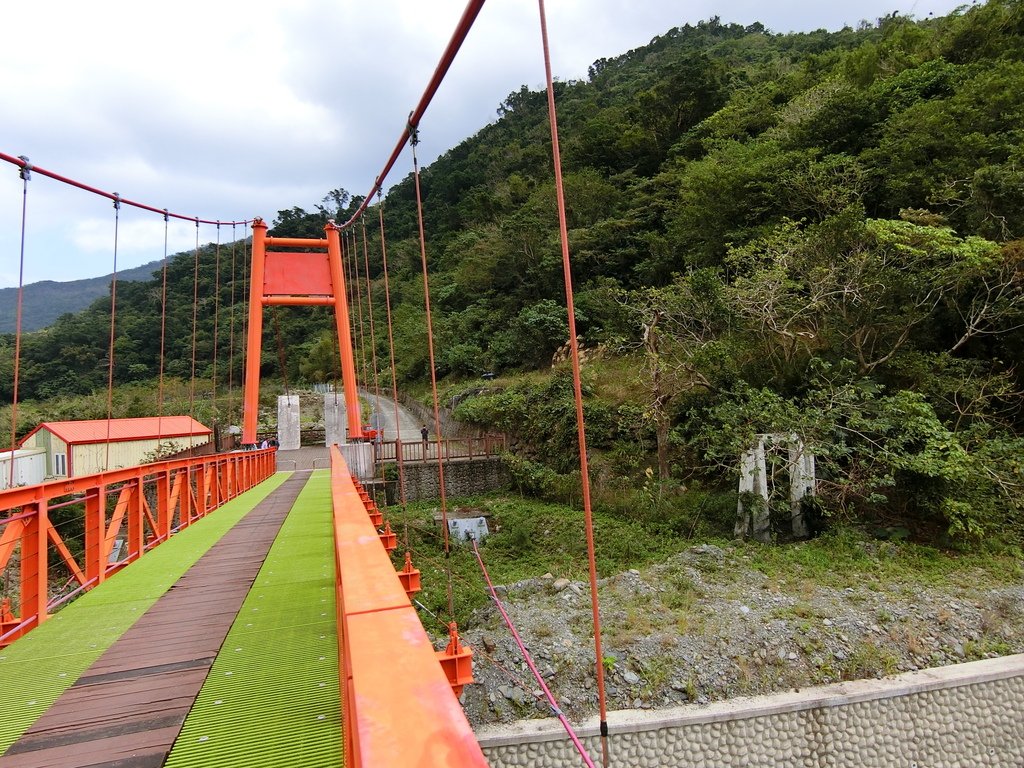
(115, 691)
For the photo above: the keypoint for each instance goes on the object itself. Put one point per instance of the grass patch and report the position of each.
(845, 556)
(530, 538)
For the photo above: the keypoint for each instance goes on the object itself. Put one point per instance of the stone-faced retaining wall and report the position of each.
(964, 716)
(461, 478)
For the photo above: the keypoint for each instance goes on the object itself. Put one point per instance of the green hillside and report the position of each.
(816, 233)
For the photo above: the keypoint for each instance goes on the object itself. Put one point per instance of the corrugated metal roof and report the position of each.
(147, 428)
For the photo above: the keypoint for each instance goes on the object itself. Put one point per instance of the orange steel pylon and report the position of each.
(313, 276)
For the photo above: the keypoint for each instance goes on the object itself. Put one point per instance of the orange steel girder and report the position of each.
(313, 277)
(25, 520)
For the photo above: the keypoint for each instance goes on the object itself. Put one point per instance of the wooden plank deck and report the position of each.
(128, 707)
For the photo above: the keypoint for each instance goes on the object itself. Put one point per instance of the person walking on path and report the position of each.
(425, 434)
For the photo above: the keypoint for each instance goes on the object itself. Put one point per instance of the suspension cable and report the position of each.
(23, 163)
(110, 351)
(246, 263)
(163, 339)
(413, 141)
(26, 175)
(394, 375)
(373, 337)
(577, 384)
(195, 322)
(231, 334)
(350, 288)
(216, 319)
(458, 37)
(359, 304)
(555, 709)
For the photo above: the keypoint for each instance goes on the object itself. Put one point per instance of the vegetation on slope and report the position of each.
(816, 233)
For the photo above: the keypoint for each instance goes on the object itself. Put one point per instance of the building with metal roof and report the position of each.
(75, 448)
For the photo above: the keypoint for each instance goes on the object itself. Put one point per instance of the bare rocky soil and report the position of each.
(705, 626)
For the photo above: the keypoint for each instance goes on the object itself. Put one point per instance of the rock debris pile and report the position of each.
(706, 625)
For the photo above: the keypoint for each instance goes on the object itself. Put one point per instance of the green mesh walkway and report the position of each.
(271, 698)
(39, 667)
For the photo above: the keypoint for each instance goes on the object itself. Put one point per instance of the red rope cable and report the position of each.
(577, 384)
(391, 352)
(373, 336)
(113, 315)
(195, 321)
(458, 37)
(25, 176)
(359, 306)
(433, 368)
(245, 298)
(231, 334)
(216, 317)
(24, 164)
(555, 709)
(163, 338)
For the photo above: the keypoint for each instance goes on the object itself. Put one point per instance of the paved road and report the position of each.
(384, 409)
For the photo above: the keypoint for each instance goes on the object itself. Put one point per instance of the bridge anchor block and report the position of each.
(456, 660)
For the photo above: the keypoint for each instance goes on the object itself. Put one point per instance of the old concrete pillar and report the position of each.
(359, 457)
(334, 419)
(801, 484)
(288, 422)
(752, 519)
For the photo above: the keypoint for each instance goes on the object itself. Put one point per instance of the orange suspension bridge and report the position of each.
(217, 611)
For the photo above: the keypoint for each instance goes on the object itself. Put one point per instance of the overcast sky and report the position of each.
(229, 110)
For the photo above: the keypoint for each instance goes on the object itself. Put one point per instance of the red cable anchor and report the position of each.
(409, 576)
(376, 516)
(456, 660)
(9, 621)
(388, 538)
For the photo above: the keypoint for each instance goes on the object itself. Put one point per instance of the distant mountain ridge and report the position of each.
(45, 301)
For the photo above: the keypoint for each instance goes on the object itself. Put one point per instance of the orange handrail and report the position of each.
(399, 708)
(150, 503)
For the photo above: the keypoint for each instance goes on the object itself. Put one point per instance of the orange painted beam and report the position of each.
(254, 338)
(399, 707)
(24, 519)
(295, 242)
(406, 713)
(348, 364)
(298, 301)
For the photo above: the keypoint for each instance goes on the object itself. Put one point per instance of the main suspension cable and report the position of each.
(23, 163)
(457, 39)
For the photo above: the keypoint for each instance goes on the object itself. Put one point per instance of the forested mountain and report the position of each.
(815, 233)
(45, 301)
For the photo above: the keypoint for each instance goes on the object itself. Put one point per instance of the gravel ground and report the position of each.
(705, 626)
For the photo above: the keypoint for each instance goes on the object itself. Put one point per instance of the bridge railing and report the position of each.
(60, 538)
(456, 448)
(399, 708)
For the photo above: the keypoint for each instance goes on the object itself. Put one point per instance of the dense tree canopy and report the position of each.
(816, 232)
